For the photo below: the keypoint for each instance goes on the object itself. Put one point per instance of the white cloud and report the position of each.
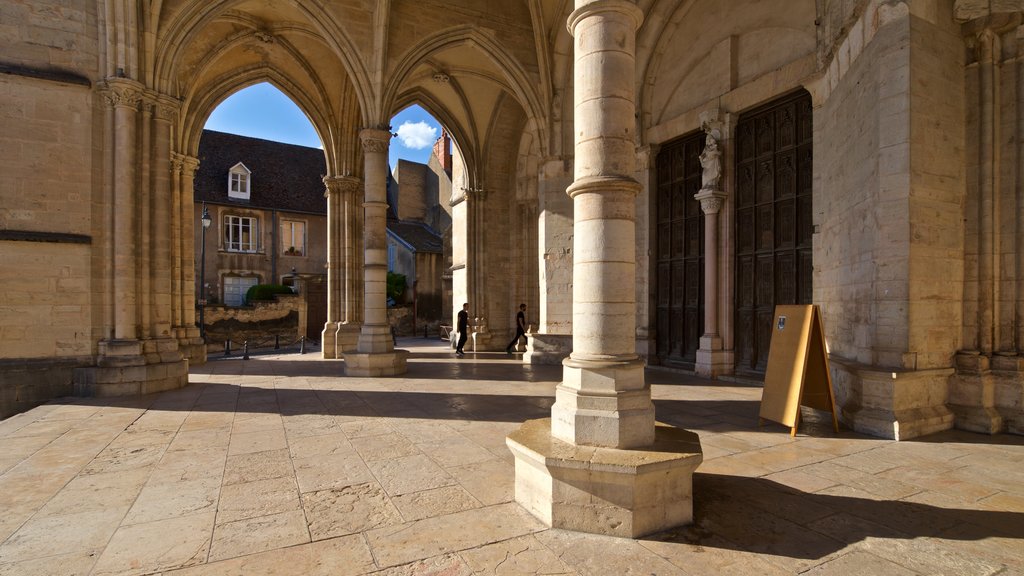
(418, 135)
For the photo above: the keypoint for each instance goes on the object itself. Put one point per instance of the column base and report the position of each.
(480, 341)
(712, 361)
(897, 405)
(603, 404)
(102, 381)
(191, 344)
(987, 393)
(547, 349)
(376, 364)
(328, 340)
(339, 338)
(624, 493)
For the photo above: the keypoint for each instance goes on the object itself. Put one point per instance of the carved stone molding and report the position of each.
(122, 92)
(166, 108)
(623, 8)
(475, 194)
(187, 165)
(374, 140)
(343, 185)
(711, 201)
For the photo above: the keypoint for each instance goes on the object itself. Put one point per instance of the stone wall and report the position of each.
(257, 323)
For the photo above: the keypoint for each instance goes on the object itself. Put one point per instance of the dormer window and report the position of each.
(239, 178)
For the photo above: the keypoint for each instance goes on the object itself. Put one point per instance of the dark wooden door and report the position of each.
(680, 253)
(773, 221)
(316, 306)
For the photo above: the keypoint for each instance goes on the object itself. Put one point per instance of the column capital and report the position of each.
(375, 140)
(344, 185)
(184, 163)
(165, 108)
(711, 201)
(120, 92)
(623, 7)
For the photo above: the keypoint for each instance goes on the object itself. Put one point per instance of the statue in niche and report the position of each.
(711, 163)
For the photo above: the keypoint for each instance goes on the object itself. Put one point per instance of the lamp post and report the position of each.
(205, 219)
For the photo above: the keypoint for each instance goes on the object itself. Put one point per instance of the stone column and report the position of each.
(375, 354)
(710, 360)
(340, 333)
(600, 464)
(603, 399)
(552, 342)
(125, 95)
(163, 210)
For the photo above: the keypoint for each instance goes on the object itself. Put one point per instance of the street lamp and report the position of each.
(206, 220)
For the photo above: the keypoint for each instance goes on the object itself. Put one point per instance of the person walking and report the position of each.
(462, 326)
(520, 329)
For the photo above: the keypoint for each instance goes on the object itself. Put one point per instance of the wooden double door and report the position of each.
(773, 233)
(774, 225)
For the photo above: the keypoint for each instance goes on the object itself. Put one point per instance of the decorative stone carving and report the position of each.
(122, 92)
(711, 164)
(375, 141)
(343, 185)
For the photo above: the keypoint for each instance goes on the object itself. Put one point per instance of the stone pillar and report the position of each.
(375, 354)
(711, 359)
(603, 399)
(600, 464)
(552, 342)
(124, 95)
(163, 209)
(341, 332)
(186, 291)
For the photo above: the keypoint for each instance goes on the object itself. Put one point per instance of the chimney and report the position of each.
(443, 151)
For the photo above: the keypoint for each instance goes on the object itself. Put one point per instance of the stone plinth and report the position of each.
(104, 381)
(625, 493)
(898, 405)
(547, 349)
(376, 364)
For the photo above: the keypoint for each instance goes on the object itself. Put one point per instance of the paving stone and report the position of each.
(347, 555)
(404, 543)
(409, 474)
(435, 502)
(348, 510)
(523, 555)
(258, 534)
(254, 466)
(257, 498)
(157, 546)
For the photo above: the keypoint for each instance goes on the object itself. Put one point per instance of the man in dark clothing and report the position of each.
(462, 326)
(520, 329)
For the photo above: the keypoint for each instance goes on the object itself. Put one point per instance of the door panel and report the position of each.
(773, 221)
(679, 253)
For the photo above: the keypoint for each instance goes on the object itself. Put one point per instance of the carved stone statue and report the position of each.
(711, 162)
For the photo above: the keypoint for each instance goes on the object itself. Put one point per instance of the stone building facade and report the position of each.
(868, 149)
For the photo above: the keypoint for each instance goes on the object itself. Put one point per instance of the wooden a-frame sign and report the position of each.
(797, 373)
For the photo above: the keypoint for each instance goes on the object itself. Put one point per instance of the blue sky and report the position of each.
(263, 111)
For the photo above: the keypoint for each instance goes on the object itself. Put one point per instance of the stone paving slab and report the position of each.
(283, 465)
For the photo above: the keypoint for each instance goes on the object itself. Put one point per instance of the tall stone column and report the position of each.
(163, 210)
(340, 333)
(600, 464)
(603, 399)
(375, 354)
(125, 95)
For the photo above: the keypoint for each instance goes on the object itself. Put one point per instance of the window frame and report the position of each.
(236, 245)
(286, 244)
(240, 173)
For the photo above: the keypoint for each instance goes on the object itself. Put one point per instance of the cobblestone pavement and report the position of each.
(282, 465)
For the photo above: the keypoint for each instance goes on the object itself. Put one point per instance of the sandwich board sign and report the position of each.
(797, 373)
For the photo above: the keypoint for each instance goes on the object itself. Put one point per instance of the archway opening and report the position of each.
(424, 163)
(259, 195)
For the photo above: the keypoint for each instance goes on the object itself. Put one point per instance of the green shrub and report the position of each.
(266, 292)
(396, 287)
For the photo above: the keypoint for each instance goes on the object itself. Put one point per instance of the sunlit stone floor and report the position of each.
(282, 465)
